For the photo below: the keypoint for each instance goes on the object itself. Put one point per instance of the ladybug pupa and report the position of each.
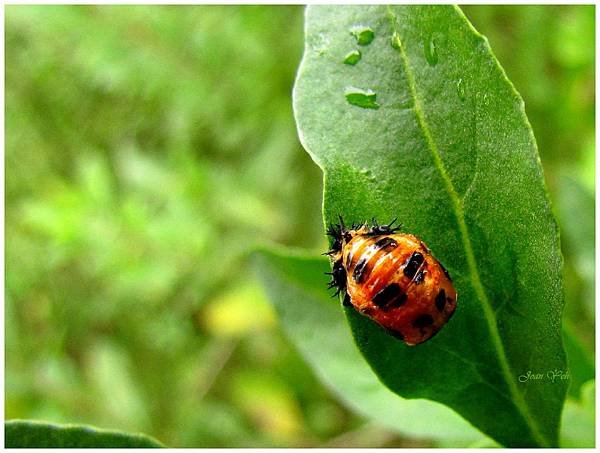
(392, 278)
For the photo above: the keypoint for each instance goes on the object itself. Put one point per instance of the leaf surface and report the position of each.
(35, 434)
(449, 151)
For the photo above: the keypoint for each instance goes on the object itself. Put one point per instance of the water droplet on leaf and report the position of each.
(352, 57)
(367, 99)
(396, 43)
(364, 35)
(431, 51)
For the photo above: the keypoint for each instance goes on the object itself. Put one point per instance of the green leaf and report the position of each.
(313, 322)
(451, 154)
(35, 434)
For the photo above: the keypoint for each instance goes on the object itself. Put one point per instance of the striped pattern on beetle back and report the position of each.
(365, 254)
(376, 262)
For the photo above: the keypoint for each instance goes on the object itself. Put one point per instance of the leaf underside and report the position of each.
(35, 434)
(449, 151)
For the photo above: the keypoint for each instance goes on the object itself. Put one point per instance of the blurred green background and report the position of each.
(148, 149)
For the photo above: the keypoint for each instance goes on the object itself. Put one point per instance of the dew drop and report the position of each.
(431, 51)
(364, 35)
(367, 99)
(460, 89)
(396, 43)
(353, 57)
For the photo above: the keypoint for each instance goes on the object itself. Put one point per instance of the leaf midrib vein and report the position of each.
(465, 238)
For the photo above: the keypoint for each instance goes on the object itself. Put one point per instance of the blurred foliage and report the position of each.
(579, 419)
(148, 149)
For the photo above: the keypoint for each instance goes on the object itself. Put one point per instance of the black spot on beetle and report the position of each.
(391, 296)
(420, 277)
(385, 243)
(349, 257)
(440, 300)
(387, 294)
(360, 270)
(397, 302)
(412, 264)
(423, 321)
